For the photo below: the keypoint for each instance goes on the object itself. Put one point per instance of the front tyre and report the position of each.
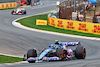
(31, 53)
(31, 61)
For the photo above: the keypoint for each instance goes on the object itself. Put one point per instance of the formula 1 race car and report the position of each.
(57, 51)
(19, 11)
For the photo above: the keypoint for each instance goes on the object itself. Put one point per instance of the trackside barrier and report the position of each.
(8, 5)
(85, 27)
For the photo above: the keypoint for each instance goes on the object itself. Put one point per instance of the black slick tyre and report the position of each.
(12, 12)
(24, 12)
(80, 52)
(31, 53)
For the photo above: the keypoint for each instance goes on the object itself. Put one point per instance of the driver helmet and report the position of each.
(56, 41)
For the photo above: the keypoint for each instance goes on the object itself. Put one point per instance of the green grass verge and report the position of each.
(8, 59)
(8, 8)
(31, 22)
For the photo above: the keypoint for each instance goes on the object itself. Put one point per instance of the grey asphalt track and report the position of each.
(16, 41)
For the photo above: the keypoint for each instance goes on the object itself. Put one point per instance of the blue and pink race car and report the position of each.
(57, 51)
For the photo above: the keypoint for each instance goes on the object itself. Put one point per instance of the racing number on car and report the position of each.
(52, 22)
(96, 29)
(70, 25)
(82, 27)
(60, 24)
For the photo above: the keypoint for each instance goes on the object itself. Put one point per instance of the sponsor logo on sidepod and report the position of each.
(51, 58)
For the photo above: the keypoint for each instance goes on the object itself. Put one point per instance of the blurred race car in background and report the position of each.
(20, 11)
(57, 51)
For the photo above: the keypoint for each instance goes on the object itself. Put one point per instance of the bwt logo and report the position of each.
(48, 58)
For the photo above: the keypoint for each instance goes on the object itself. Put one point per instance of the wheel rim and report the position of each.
(83, 53)
(63, 55)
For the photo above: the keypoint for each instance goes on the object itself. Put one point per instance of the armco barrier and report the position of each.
(85, 27)
(8, 5)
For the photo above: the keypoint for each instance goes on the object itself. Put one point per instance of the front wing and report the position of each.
(44, 58)
(17, 13)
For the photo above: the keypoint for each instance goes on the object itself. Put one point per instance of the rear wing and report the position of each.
(71, 43)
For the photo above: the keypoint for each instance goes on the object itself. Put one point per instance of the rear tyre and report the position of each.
(31, 53)
(24, 12)
(80, 52)
(12, 12)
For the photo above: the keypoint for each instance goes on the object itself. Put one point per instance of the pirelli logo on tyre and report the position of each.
(8, 5)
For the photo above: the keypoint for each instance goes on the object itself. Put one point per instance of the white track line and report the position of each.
(22, 62)
(68, 35)
(11, 55)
